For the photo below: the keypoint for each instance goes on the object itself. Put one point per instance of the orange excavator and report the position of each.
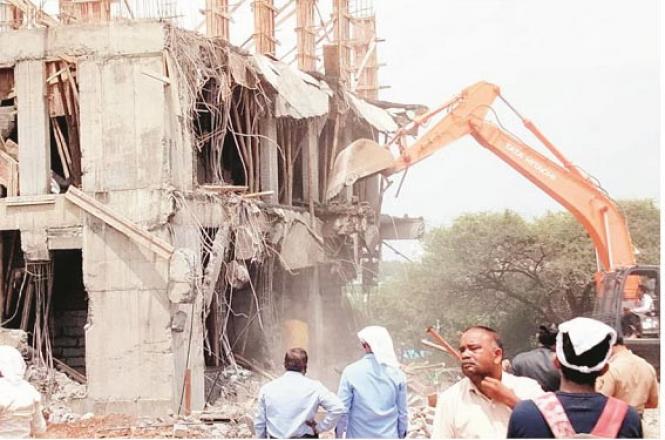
(617, 276)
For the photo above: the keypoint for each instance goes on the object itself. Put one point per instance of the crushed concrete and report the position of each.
(58, 391)
(14, 338)
(232, 411)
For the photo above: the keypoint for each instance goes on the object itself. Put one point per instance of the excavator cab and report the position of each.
(631, 314)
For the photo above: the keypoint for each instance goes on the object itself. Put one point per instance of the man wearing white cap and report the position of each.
(373, 391)
(582, 350)
(20, 403)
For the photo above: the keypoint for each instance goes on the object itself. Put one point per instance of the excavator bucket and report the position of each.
(362, 158)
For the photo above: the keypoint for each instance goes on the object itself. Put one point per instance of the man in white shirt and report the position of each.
(479, 405)
(288, 404)
(645, 302)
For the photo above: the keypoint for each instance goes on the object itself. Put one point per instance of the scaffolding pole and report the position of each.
(306, 32)
(264, 26)
(217, 19)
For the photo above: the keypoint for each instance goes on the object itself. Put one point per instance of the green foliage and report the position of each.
(501, 270)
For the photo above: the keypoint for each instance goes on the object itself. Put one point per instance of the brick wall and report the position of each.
(69, 337)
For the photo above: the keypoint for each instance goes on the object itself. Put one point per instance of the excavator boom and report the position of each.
(587, 202)
(364, 157)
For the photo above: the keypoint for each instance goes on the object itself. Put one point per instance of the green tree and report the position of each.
(500, 270)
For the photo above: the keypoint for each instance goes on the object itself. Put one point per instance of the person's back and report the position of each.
(583, 348)
(20, 409)
(279, 396)
(538, 365)
(631, 379)
(582, 409)
(287, 406)
(374, 390)
(20, 402)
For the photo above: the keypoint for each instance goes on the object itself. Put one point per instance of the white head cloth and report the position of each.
(381, 343)
(584, 334)
(12, 365)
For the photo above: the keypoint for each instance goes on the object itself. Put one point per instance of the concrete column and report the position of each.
(268, 159)
(33, 128)
(310, 163)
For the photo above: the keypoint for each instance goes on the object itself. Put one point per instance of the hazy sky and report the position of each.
(586, 72)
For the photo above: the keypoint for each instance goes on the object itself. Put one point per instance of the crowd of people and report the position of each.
(581, 380)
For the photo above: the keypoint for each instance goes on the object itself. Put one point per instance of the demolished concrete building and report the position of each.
(162, 208)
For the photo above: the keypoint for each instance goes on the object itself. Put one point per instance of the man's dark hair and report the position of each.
(490, 330)
(547, 335)
(295, 359)
(589, 358)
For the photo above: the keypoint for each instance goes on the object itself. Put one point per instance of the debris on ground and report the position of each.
(235, 390)
(58, 391)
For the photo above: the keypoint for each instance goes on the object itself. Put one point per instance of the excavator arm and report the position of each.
(599, 216)
(597, 213)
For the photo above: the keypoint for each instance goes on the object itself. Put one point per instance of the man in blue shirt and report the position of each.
(288, 404)
(373, 391)
(582, 351)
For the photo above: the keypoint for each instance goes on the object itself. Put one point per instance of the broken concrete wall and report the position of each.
(139, 160)
(130, 357)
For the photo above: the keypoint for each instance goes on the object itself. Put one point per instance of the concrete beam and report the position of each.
(114, 39)
(268, 159)
(33, 212)
(34, 153)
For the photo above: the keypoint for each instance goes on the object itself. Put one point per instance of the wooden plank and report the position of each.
(69, 371)
(65, 161)
(119, 223)
(9, 173)
(27, 7)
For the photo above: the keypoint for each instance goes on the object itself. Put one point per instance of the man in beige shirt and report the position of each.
(479, 405)
(629, 378)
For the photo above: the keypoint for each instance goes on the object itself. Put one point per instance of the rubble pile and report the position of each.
(232, 411)
(424, 381)
(58, 390)
(421, 417)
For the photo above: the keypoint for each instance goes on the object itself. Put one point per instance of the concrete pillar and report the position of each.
(268, 159)
(34, 152)
(310, 163)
